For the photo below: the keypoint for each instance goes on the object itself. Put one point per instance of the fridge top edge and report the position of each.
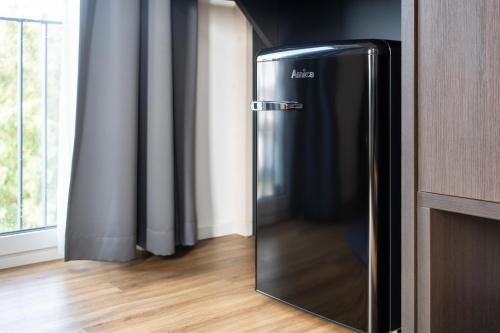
(331, 49)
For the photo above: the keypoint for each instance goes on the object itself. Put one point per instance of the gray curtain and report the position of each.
(132, 177)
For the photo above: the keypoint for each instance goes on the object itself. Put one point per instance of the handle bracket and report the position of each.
(275, 106)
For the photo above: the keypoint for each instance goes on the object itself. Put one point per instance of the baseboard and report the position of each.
(224, 229)
(29, 257)
(52, 253)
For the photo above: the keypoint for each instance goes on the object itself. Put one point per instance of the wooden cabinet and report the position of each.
(458, 272)
(451, 166)
(459, 98)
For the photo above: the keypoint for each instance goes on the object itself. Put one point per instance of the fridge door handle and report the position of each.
(275, 106)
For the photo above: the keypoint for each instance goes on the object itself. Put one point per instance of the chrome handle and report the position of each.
(275, 106)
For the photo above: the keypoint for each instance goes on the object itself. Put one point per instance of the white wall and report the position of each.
(223, 128)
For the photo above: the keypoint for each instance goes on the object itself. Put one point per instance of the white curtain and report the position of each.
(67, 108)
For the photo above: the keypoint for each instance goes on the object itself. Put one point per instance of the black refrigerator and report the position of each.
(327, 180)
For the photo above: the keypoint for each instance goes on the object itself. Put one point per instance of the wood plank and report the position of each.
(208, 288)
(424, 270)
(459, 95)
(408, 163)
(486, 209)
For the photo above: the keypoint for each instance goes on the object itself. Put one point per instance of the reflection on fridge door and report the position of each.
(327, 180)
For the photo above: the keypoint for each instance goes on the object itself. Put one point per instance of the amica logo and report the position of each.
(302, 74)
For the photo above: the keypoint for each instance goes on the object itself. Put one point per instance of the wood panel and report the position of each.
(466, 206)
(209, 288)
(408, 164)
(465, 273)
(284, 22)
(423, 271)
(459, 98)
(262, 15)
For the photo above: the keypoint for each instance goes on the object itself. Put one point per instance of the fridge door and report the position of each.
(312, 192)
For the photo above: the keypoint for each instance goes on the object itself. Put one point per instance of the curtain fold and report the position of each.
(185, 44)
(132, 178)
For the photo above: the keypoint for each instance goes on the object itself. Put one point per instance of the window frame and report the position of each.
(27, 246)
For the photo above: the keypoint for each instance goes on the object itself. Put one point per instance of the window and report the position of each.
(30, 64)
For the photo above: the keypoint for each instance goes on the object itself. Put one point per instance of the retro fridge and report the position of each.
(327, 180)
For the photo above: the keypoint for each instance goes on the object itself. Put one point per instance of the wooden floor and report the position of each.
(209, 288)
